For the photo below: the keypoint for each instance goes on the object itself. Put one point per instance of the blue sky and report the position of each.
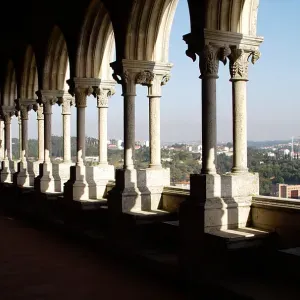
(273, 87)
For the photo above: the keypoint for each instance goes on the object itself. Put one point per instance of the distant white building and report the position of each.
(271, 154)
(119, 144)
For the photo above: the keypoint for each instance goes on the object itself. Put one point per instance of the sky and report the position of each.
(273, 87)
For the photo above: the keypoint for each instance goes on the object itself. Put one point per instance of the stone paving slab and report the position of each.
(37, 264)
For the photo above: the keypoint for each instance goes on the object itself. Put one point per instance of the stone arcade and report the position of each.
(59, 60)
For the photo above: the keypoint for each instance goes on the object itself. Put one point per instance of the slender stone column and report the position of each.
(102, 105)
(239, 61)
(209, 67)
(154, 95)
(129, 94)
(24, 109)
(1, 139)
(47, 111)
(20, 134)
(45, 181)
(24, 175)
(7, 133)
(40, 119)
(6, 173)
(66, 113)
(81, 92)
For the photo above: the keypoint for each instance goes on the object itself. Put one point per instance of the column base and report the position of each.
(45, 183)
(237, 191)
(125, 196)
(61, 174)
(6, 173)
(97, 178)
(25, 175)
(76, 188)
(36, 167)
(198, 213)
(151, 183)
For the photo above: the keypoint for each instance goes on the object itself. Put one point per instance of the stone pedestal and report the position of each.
(151, 183)
(44, 183)
(97, 178)
(125, 196)
(61, 174)
(203, 211)
(6, 173)
(36, 167)
(25, 176)
(77, 188)
(237, 192)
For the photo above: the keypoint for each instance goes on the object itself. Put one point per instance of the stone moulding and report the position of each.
(275, 203)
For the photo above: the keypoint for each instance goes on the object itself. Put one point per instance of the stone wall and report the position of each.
(279, 215)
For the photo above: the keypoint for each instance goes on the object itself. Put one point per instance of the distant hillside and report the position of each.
(258, 144)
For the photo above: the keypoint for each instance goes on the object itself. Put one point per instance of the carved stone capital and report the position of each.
(7, 117)
(103, 95)
(209, 60)
(154, 88)
(239, 62)
(144, 78)
(81, 92)
(66, 102)
(23, 106)
(24, 109)
(38, 108)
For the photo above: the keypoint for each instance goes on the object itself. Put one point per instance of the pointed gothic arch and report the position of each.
(96, 43)
(56, 63)
(10, 86)
(29, 76)
(149, 30)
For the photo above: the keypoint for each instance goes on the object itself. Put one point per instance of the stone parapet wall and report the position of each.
(279, 215)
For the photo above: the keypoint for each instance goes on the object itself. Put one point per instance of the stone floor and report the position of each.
(37, 264)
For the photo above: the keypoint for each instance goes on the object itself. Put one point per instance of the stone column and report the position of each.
(129, 94)
(45, 181)
(126, 196)
(6, 174)
(77, 187)
(20, 134)
(151, 181)
(154, 95)
(98, 176)
(24, 176)
(209, 66)
(239, 186)
(1, 139)
(81, 92)
(7, 132)
(40, 119)
(24, 109)
(102, 104)
(38, 108)
(239, 61)
(67, 102)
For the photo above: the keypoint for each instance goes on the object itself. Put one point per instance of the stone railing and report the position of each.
(172, 197)
(281, 215)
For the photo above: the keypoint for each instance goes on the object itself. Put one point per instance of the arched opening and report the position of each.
(56, 63)
(28, 87)
(96, 51)
(9, 97)
(10, 86)
(55, 74)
